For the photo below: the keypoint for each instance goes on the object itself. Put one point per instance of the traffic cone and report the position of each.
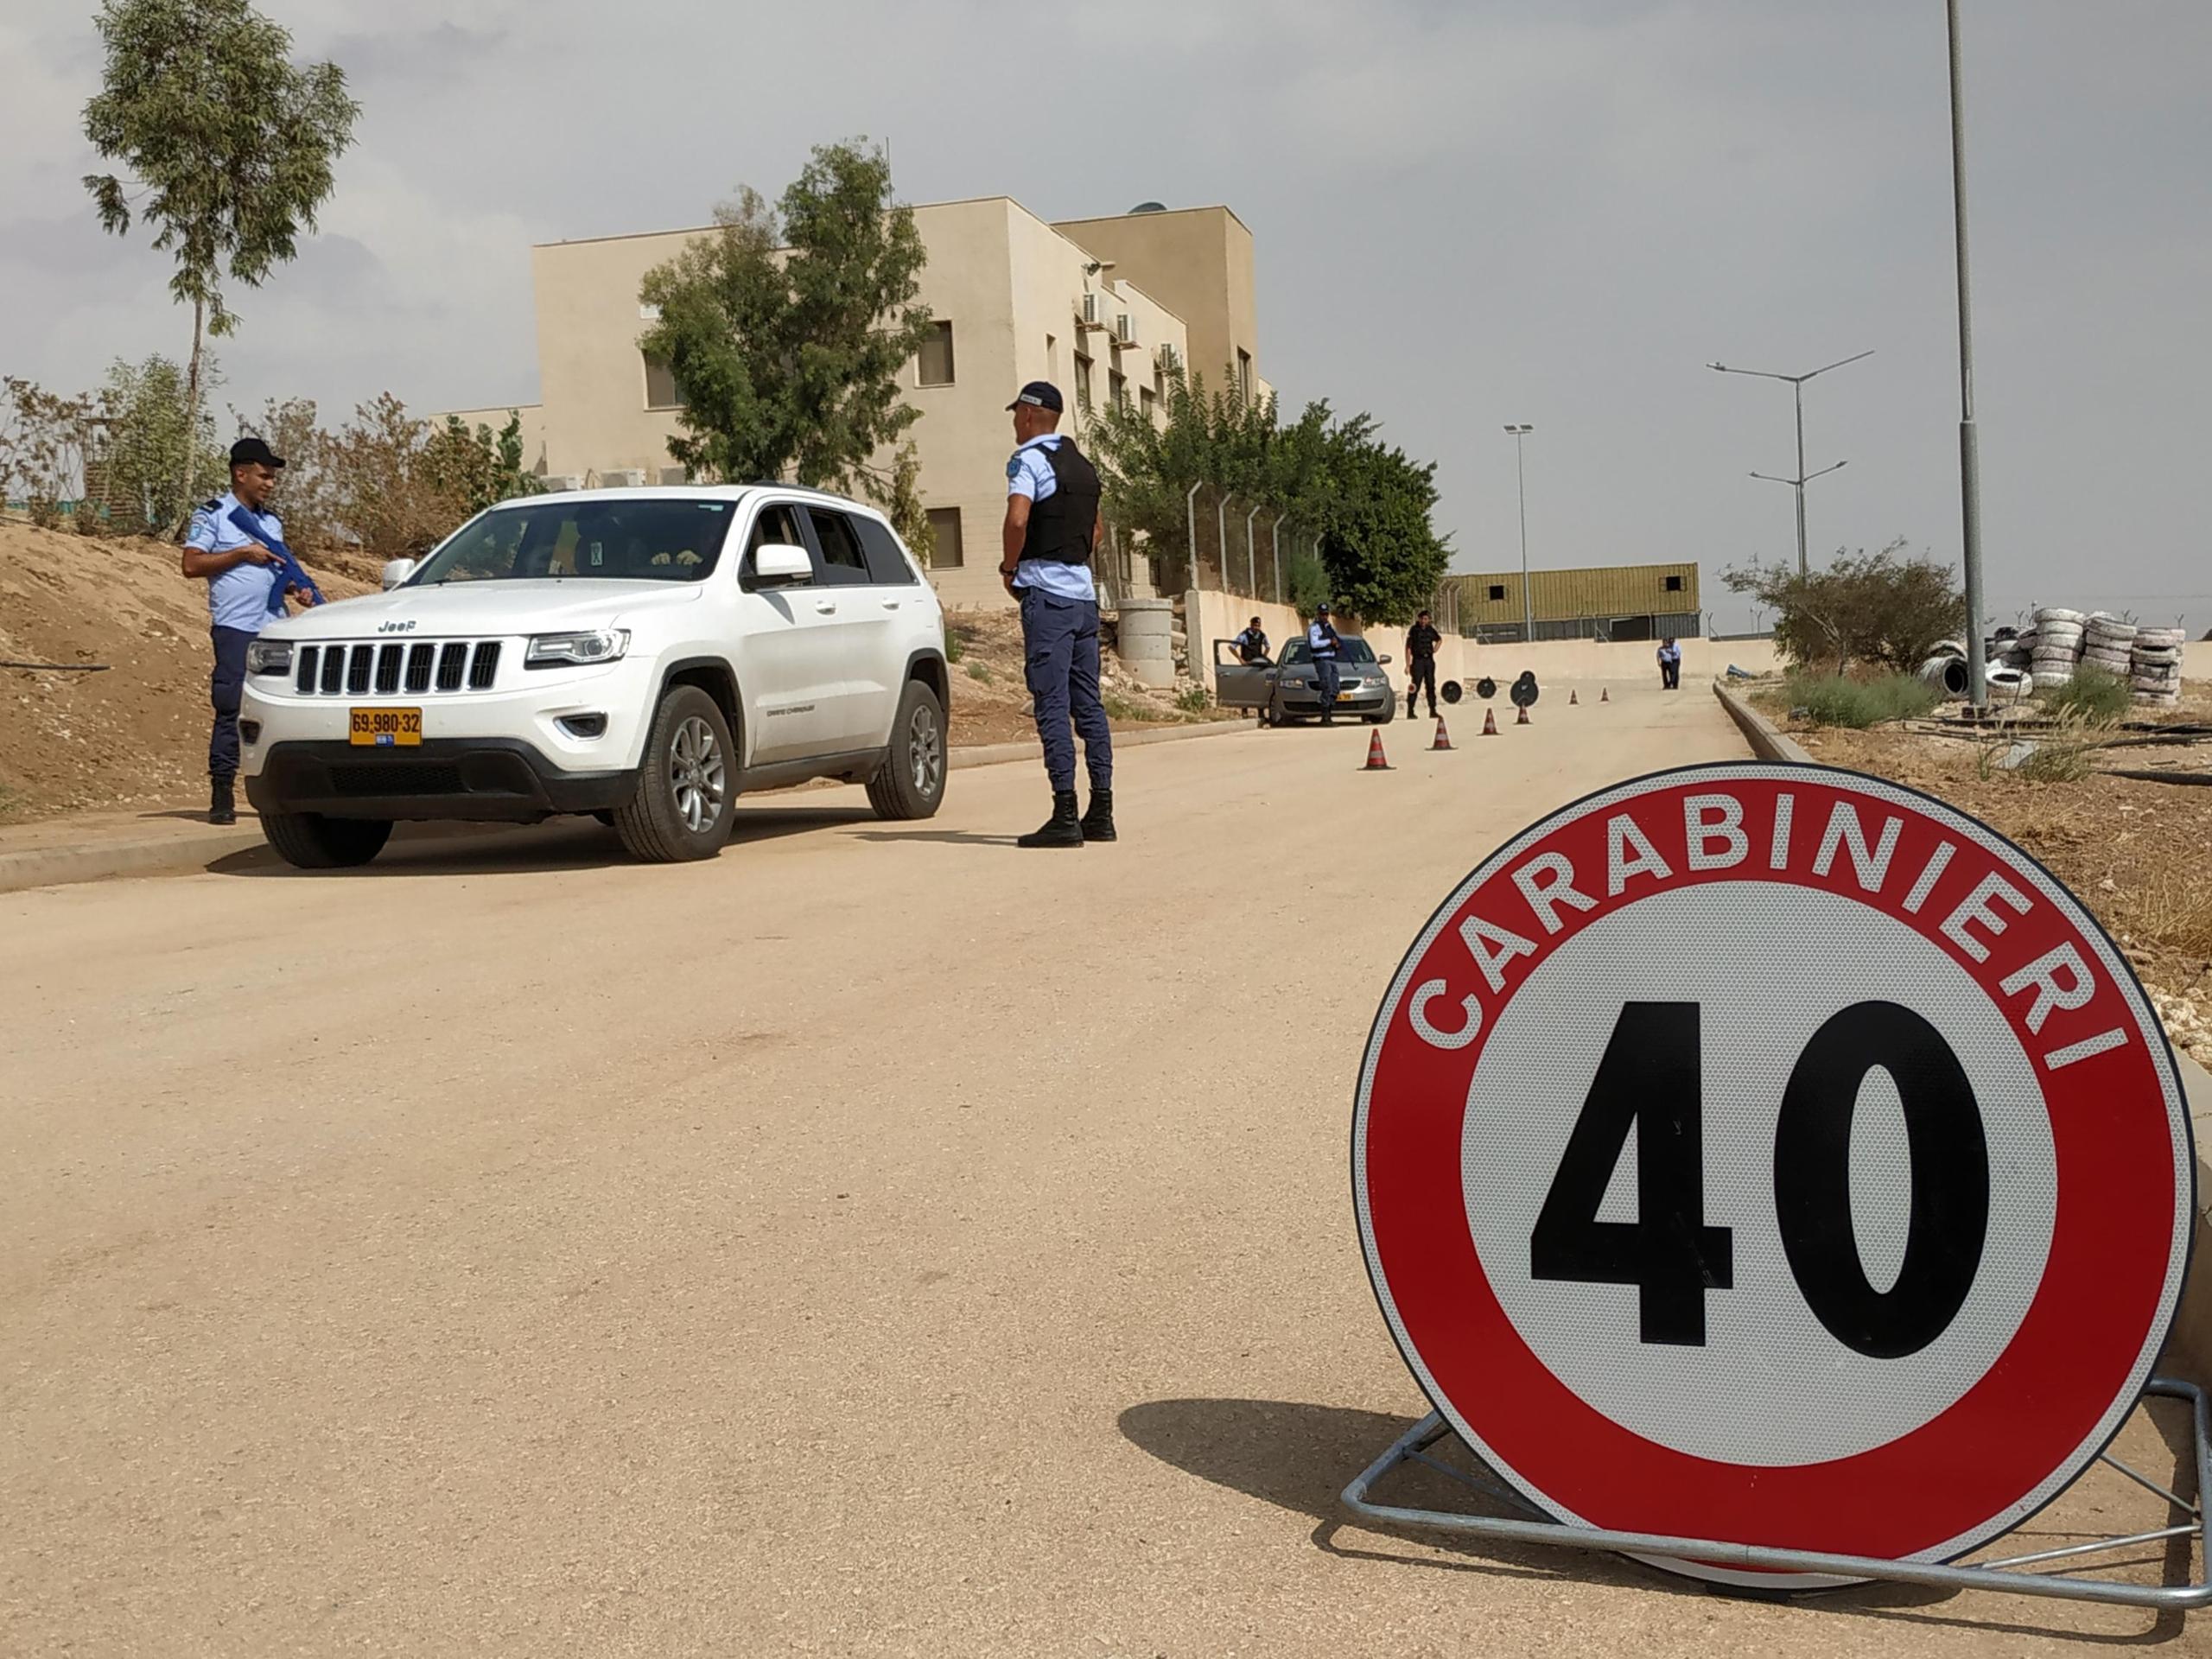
(1490, 722)
(1524, 718)
(1375, 760)
(1605, 694)
(1573, 702)
(1443, 737)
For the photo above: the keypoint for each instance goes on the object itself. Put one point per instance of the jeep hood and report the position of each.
(546, 605)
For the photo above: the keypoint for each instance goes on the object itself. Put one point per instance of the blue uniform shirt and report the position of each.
(239, 598)
(1029, 474)
(1320, 639)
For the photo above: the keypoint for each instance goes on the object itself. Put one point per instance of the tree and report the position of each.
(228, 144)
(306, 490)
(786, 329)
(903, 507)
(1884, 609)
(43, 441)
(1384, 558)
(159, 460)
(478, 469)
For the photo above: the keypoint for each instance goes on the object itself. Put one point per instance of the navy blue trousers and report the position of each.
(224, 687)
(1325, 669)
(1059, 640)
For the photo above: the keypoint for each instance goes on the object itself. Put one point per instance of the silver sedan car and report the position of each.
(1289, 692)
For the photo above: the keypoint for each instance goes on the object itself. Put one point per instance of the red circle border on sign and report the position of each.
(2022, 1431)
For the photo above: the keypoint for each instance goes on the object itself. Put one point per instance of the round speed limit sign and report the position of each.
(1775, 1155)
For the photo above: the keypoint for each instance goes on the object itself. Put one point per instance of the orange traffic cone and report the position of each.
(1524, 718)
(1490, 722)
(1443, 737)
(1572, 700)
(1375, 760)
(1605, 694)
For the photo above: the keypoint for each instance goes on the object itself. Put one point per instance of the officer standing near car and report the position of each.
(1421, 641)
(244, 593)
(1052, 521)
(1325, 645)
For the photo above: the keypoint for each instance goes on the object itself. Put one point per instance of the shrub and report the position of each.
(42, 438)
(2092, 696)
(1832, 700)
(1882, 609)
(955, 646)
(980, 671)
(1191, 700)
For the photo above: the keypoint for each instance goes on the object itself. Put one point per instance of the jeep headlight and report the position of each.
(269, 656)
(596, 645)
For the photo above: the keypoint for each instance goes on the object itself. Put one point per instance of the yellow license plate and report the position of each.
(385, 729)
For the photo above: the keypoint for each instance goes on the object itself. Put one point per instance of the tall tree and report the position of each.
(1384, 558)
(228, 145)
(786, 329)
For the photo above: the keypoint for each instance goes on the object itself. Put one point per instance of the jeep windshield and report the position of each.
(655, 539)
(1355, 651)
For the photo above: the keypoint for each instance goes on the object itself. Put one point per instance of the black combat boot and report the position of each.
(1062, 828)
(222, 808)
(1098, 822)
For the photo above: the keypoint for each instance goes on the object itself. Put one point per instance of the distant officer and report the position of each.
(1052, 521)
(1322, 640)
(1421, 640)
(243, 595)
(1251, 645)
(1670, 665)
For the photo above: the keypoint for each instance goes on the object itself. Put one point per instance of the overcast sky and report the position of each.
(1467, 212)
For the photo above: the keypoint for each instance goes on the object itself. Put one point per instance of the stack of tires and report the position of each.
(2154, 666)
(2057, 647)
(2108, 643)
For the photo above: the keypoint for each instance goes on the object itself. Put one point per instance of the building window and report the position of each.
(1674, 584)
(1117, 388)
(945, 551)
(661, 389)
(936, 356)
(1148, 404)
(1053, 360)
(1244, 374)
(1497, 590)
(1082, 383)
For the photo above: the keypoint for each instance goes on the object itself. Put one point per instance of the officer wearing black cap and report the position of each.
(243, 581)
(1052, 521)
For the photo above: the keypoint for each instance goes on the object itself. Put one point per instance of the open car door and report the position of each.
(1239, 685)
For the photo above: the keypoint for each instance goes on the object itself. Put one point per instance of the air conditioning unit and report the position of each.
(562, 480)
(1125, 329)
(1167, 359)
(628, 478)
(1093, 310)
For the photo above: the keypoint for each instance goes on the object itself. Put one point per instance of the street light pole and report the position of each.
(1797, 385)
(1969, 447)
(1251, 554)
(1521, 475)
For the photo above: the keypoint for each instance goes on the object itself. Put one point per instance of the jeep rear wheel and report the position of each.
(681, 808)
(911, 782)
(309, 840)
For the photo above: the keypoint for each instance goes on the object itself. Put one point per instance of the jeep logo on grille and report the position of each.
(396, 627)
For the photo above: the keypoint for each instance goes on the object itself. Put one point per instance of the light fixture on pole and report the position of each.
(1518, 432)
(1797, 386)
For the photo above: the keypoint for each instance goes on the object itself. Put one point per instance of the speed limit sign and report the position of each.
(1775, 1155)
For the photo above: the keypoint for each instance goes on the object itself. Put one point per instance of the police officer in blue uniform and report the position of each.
(1052, 521)
(1322, 640)
(244, 592)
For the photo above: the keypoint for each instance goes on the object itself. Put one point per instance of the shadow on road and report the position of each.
(947, 837)
(563, 843)
(1300, 1457)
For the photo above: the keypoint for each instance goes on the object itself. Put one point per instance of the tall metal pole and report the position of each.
(1191, 513)
(1275, 541)
(1799, 388)
(1969, 449)
(1251, 555)
(1221, 536)
(1521, 476)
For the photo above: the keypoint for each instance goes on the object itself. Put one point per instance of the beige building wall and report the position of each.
(1197, 260)
(1011, 286)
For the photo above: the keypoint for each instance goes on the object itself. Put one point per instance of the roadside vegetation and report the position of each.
(1838, 700)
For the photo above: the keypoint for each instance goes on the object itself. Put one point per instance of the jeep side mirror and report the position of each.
(780, 561)
(396, 571)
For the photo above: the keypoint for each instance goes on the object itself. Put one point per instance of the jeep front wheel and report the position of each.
(911, 782)
(681, 808)
(309, 840)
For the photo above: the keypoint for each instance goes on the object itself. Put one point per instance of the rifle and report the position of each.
(290, 572)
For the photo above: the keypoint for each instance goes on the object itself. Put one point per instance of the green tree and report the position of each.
(229, 145)
(478, 467)
(786, 329)
(1383, 557)
(1887, 609)
(307, 489)
(903, 507)
(158, 459)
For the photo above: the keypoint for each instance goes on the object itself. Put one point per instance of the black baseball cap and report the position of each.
(1040, 394)
(252, 452)
(1322, 609)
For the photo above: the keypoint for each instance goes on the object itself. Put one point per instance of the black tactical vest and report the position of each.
(1060, 524)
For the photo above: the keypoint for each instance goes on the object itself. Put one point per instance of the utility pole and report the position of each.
(1797, 386)
(1969, 447)
(1521, 474)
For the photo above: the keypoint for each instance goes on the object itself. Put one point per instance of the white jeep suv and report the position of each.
(640, 655)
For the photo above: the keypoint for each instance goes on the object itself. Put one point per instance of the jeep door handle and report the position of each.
(890, 604)
(827, 606)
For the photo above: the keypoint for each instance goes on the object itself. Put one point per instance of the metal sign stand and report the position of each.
(2008, 1574)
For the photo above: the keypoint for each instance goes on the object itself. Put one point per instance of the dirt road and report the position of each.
(883, 1241)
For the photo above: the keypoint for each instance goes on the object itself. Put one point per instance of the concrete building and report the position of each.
(1606, 601)
(1105, 309)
